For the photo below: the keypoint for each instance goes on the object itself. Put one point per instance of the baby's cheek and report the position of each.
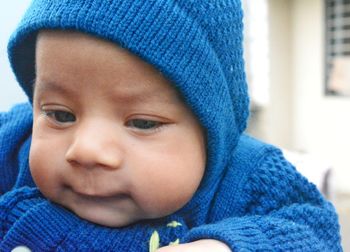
(163, 198)
(36, 167)
(34, 162)
(41, 169)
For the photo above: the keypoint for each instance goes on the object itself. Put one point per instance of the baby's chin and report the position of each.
(114, 211)
(104, 212)
(113, 219)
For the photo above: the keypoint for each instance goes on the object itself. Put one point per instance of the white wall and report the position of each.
(321, 123)
(10, 14)
(300, 117)
(273, 123)
(278, 113)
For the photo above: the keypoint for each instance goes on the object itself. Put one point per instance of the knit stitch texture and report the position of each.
(251, 198)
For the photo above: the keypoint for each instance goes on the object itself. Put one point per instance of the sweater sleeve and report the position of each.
(15, 131)
(281, 211)
(28, 219)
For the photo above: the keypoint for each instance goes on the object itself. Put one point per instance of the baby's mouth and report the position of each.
(99, 196)
(102, 197)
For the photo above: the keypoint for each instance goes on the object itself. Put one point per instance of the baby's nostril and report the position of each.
(73, 162)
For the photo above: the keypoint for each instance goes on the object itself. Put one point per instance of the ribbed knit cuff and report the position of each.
(29, 219)
(136, 237)
(240, 234)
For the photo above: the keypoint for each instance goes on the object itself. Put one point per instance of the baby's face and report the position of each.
(112, 140)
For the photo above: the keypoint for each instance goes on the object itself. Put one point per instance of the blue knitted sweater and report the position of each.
(250, 197)
(261, 204)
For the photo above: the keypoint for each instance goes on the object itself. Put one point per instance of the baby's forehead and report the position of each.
(73, 64)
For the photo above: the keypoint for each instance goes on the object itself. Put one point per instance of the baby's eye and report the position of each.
(143, 124)
(61, 116)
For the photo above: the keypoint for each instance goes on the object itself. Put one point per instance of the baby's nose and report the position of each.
(94, 147)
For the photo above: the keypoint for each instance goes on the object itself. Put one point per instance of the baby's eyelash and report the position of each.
(144, 124)
(60, 116)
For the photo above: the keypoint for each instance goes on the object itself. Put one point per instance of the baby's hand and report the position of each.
(197, 246)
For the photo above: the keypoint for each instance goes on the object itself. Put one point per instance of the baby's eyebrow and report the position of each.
(142, 96)
(42, 87)
(131, 96)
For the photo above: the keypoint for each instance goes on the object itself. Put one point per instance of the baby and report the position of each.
(133, 137)
(112, 140)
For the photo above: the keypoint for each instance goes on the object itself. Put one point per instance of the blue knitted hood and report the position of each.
(196, 44)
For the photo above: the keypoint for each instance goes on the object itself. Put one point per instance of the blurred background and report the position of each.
(10, 14)
(298, 67)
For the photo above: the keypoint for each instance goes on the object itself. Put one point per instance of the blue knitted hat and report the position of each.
(196, 44)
